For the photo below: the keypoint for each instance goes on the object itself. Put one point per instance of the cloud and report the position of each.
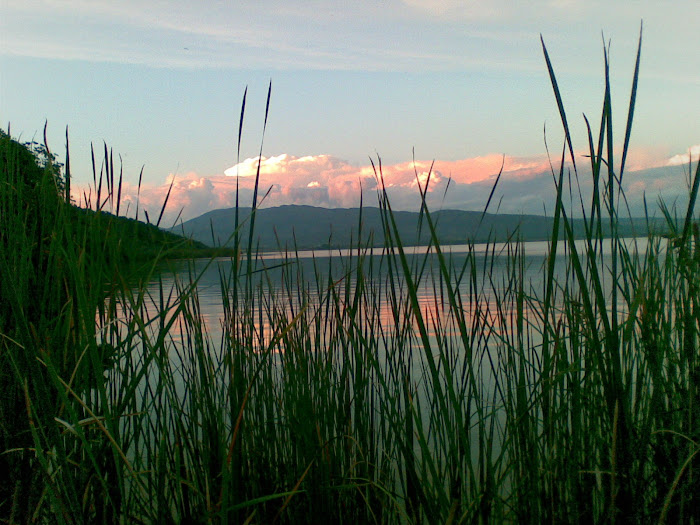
(284, 35)
(526, 185)
(190, 195)
(683, 158)
(471, 10)
(498, 11)
(319, 180)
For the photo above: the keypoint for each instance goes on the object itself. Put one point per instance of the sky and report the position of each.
(459, 86)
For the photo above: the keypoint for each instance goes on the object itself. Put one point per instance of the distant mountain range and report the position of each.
(309, 227)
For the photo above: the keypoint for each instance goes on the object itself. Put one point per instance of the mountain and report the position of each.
(309, 227)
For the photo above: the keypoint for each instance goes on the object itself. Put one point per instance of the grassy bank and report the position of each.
(575, 399)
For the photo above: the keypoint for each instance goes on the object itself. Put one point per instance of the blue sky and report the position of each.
(462, 83)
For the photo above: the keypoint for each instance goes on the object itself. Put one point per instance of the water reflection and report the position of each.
(284, 284)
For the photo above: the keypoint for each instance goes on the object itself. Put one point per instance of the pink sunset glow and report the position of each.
(324, 180)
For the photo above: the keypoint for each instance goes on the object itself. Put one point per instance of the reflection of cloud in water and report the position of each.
(299, 301)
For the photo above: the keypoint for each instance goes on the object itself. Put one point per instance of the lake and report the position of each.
(479, 273)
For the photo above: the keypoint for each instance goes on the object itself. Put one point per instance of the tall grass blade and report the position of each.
(138, 193)
(633, 99)
(493, 190)
(560, 103)
(257, 183)
(67, 172)
(165, 201)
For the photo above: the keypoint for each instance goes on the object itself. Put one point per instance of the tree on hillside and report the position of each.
(30, 159)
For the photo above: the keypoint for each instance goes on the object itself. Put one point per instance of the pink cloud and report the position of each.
(320, 169)
(189, 192)
(319, 180)
(324, 180)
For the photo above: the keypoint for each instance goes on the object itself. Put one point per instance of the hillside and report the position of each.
(309, 227)
(137, 241)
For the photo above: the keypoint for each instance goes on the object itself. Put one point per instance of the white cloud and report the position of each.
(468, 9)
(500, 10)
(683, 158)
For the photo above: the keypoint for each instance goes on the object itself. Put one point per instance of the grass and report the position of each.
(336, 392)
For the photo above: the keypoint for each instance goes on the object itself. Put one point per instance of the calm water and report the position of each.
(305, 277)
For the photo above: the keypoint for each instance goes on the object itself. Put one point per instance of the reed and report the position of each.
(391, 388)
